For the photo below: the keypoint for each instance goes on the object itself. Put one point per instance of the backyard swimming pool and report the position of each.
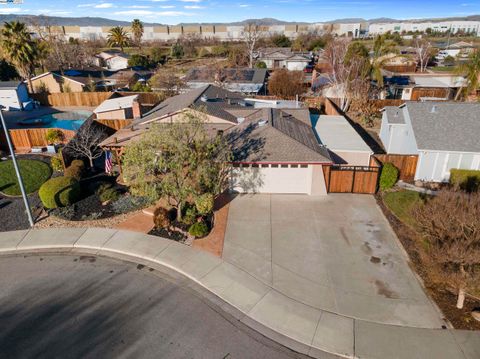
(71, 120)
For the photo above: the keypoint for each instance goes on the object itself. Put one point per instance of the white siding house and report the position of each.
(14, 96)
(444, 136)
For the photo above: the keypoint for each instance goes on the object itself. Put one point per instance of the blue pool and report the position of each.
(71, 120)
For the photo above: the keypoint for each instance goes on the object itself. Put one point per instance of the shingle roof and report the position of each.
(9, 84)
(445, 126)
(239, 75)
(272, 135)
(213, 99)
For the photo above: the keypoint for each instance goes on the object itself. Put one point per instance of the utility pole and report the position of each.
(17, 170)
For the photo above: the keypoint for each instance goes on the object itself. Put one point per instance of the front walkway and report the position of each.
(268, 310)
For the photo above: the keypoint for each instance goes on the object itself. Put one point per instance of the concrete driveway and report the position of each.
(336, 253)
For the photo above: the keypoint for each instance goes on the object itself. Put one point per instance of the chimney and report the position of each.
(136, 109)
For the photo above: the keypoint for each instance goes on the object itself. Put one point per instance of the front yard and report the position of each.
(398, 208)
(34, 174)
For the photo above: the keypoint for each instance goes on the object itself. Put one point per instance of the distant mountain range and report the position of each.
(99, 21)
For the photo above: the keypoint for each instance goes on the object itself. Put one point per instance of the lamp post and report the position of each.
(17, 170)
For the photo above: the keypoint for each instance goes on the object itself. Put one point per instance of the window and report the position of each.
(236, 165)
(255, 165)
(274, 166)
(303, 166)
(284, 166)
(244, 165)
(293, 166)
(265, 165)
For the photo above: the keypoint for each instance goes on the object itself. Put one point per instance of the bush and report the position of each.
(467, 180)
(56, 163)
(54, 136)
(389, 176)
(75, 170)
(190, 214)
(59, 192)
(204, 203)
(261, 65)
(99, 187)
(162, 218)
(108, 194)
(198, 230)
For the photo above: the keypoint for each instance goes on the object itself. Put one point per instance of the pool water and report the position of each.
(71, 120)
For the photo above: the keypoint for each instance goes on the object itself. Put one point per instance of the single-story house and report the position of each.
(119, 108)
(14, 96)
(345, 145)
(72, 80)
(444, 135)
(281, 57)
(276, 151)
(112, 60)
(416, 87)
(242, 80)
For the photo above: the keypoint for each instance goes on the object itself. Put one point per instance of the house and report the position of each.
(119, 108)
(444, 135)
(14, 96)
(72, 80)
(112, 60)
(345, 145)
(414, 87)
(459, 49)
(276, 151)
(242, 80)
(280, 57)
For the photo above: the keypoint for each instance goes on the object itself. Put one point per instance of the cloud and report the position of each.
(104, 5)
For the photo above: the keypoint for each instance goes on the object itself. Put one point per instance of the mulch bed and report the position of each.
(446, 300)
(89, 208)
(174, 233)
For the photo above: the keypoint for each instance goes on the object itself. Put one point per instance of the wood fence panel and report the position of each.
(406, 164)
(34, 137)
(115, 124)
(352, 179)
(72, 99)
(341, 181)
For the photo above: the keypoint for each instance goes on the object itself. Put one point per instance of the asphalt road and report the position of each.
(87, 307)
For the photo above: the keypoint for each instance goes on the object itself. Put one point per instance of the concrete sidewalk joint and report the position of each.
(318, 333)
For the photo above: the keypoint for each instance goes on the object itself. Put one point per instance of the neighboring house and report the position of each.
(119, 108)
(343, 142)
(444, 135)
(112, 60)
(276, 151)
(14, 96)
(460, 49)
(280, 57)
(416, 87)
(242, 80)
(72, 80)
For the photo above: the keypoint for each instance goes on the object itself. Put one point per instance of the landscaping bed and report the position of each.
(396, 207)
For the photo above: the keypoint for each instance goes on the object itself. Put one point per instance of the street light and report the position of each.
(17, 170)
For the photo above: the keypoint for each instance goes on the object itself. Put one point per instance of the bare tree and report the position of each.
(286, 84)
(86, 141)
(423, 50)
(449, 223)
(251, 35)
(167, 82)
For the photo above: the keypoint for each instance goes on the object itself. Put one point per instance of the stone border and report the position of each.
(304, 329)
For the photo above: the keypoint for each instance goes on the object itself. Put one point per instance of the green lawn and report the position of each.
(34, 174)
(401, 204)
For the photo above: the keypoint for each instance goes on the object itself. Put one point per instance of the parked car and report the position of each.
(308, 69)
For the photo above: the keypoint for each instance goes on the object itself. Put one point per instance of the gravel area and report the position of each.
(111, 222)
(12, 212)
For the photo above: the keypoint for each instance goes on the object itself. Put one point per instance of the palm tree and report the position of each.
(117, 36)
(20, 49)
(471, 71)
(137, 30)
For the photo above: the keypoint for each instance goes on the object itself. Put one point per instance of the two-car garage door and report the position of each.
(273, 178)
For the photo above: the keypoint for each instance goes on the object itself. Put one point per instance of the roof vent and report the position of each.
(434, 109)
(262, 123)
(204, 98)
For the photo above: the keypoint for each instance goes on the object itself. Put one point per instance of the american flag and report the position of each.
(108, 162)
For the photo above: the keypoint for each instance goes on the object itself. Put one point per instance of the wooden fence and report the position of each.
(73, 99)
(353, 179)
(406, 164)
(34, 137)
(115, 124)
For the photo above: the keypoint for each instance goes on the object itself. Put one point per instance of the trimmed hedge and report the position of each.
(75, 170)
(389, 176)
(59, 192)
(467, 180)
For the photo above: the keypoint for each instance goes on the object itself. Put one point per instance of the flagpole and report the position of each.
(17, 170)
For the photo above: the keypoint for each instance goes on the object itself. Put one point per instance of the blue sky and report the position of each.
(175, 11)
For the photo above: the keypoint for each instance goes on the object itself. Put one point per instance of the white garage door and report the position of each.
(271, 179)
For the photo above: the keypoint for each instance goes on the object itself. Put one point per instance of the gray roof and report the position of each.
(394, 115)
(272, 135)
(213, 99)
(230, 75)
(448, 127)
(9, 84)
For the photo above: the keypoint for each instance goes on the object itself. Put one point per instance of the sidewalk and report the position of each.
(303, 328)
